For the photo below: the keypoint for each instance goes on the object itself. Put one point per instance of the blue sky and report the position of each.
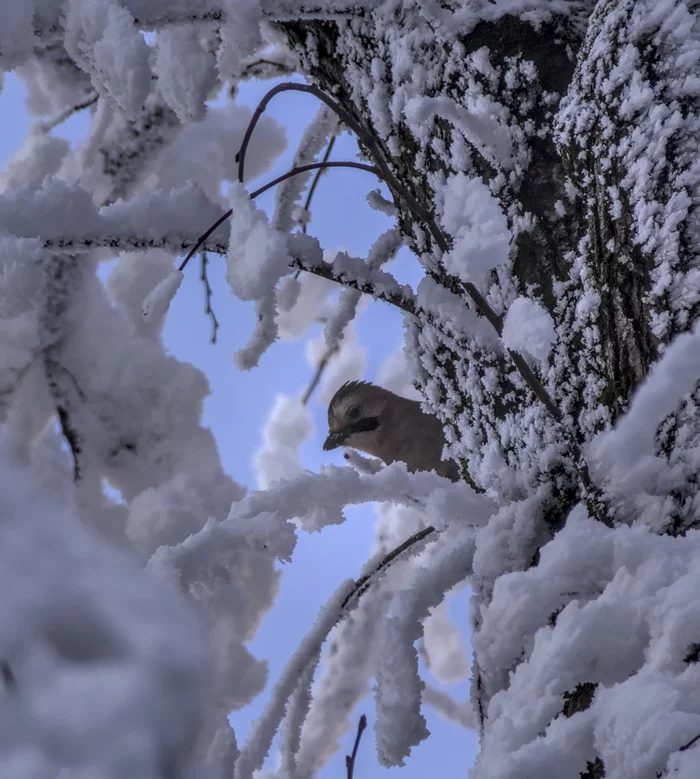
(240, 402)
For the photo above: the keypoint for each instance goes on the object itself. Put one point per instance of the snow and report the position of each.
(258, 256)
(158, 300)
(480, 232)
(41, 155)
(528, 328)
(17, 35)
(113, 671)
(382, 251)
(629, 588)
(186, 72)
(260, 738)
(400, 725)
(110, 666)
(104, 41)
(287, 427)
(348, 363)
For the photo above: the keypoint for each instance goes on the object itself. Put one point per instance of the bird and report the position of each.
(380, 423)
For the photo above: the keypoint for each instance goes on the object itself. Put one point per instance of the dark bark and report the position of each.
(582, 245)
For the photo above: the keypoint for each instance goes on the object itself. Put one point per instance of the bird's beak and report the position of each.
(333, 441)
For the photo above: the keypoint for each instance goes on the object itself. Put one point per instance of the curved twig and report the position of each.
(320, 166)
(293, 172)
(364, 582)
(50, 124)
(317, 177)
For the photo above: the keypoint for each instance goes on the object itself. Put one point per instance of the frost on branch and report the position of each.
(316, 136)
(104, 41)
(109, 666)
(156, 304)
(631, 589)
(528, 328)
(630, 142)
(186, 72)
(400, 725)
(287, 427)
(542, 159)
(575, 126)
(383, 250)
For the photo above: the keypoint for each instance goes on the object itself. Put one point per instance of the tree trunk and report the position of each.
(581, 125)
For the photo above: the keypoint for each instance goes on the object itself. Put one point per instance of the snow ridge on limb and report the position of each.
(110, 667)
(399, 689)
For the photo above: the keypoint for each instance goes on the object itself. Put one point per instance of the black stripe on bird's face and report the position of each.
(336, 439)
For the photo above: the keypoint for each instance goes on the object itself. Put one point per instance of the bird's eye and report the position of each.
(354, 412)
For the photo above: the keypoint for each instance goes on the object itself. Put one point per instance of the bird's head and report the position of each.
(354, 414)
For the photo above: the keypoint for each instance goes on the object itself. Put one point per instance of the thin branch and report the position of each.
(364, 582)
(50, 124)
(315, 166)
(350, 759)
(325, 271)
(264, 68)
(260, 738)
(690, 743)
(293, 172)
(202, 238)
(319, 372)
(207, 298)
(312, 188)
(319, 173)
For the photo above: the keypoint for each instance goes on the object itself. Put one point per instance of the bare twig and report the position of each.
(207, 298)
(265, 68)
(319, 173)
(293, 172)
(350, 759)
(312, 188)
(690, 743)
(364, 582)
(50, 124)
(315, 166)
(319, 372)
